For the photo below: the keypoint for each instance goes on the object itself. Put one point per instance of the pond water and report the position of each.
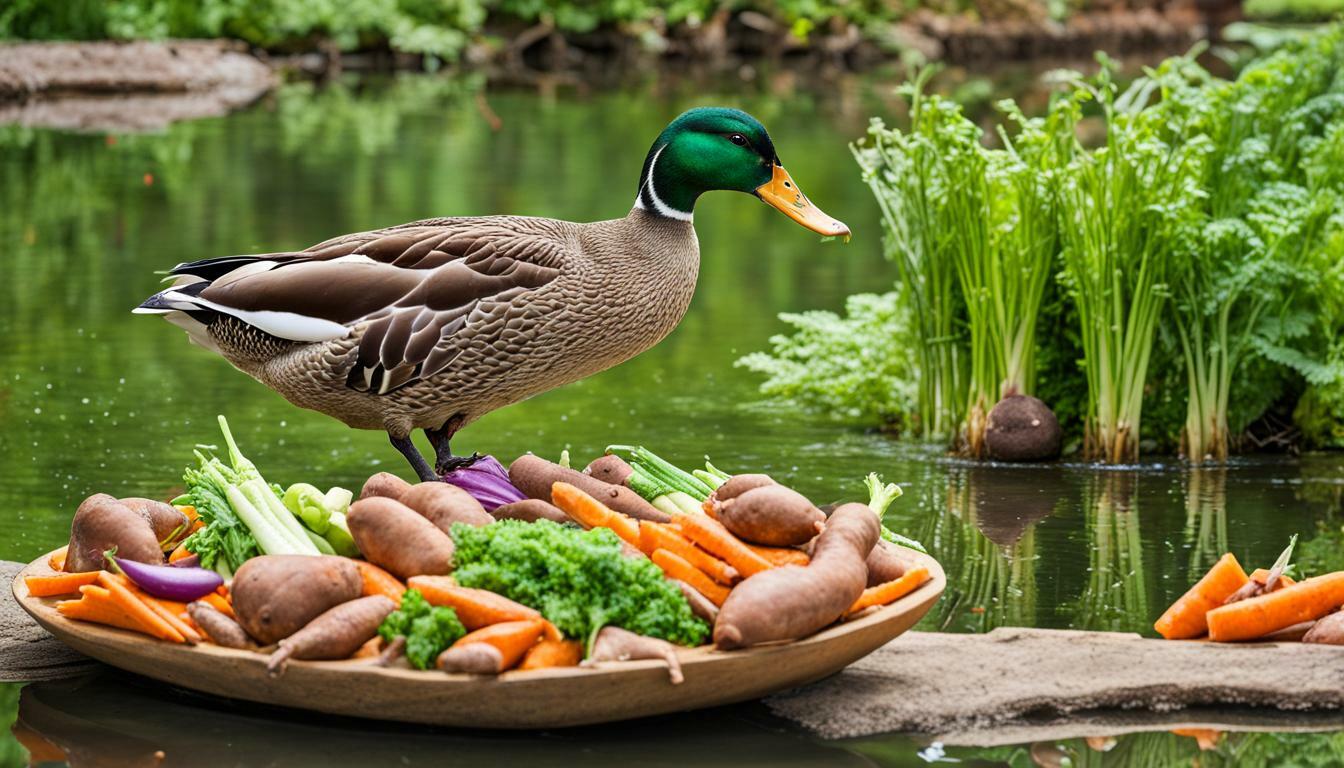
(95, 399)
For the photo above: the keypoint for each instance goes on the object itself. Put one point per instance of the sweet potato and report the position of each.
(616, 644)
(739, 484)
(220, 629)
(101, 523)
(1326, 631)
(169, 523)
(275, 596)
(535, 476)
(793, 601)
(885, 563)
(530, 510)
(443, 504)
(336, 634)
(700, 605)
(385, 485)
(772, 515)
(610, 469)
(394, 536)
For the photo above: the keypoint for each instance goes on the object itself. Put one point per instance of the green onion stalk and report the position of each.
(906, 175)
(1122, 207)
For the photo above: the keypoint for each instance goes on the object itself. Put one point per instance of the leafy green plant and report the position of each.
(860, 365)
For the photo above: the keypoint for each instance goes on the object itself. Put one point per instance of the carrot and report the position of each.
(379, 582)
(711, 535)
(1261, 575)
(180, 553)
(895, 589)
(96, 605)
(653, 536)
(168, 610)
(676, 567)
(476, 608)
(152, 622)
(510, 640)
(1261, 615)
(553, 653)
(56, 560)
(591, 513)
(60, 584)
(1185, 618)
(709, 510)
(780, 555)
(189, 511)
(219, 603)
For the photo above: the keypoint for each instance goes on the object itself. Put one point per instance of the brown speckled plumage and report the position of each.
(449, 319)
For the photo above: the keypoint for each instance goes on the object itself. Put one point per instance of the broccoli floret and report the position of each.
(579, 580)
(428, 629)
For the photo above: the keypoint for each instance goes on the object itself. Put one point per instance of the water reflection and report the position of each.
(1206, 516)
(1114, 597)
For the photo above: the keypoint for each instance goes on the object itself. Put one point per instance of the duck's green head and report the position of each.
(711, 148)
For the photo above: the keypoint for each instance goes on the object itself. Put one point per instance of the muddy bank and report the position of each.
(133, 86)
(955, 684)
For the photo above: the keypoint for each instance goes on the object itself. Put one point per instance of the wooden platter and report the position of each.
(546, 698)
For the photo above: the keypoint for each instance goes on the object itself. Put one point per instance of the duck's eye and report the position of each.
(738, 139)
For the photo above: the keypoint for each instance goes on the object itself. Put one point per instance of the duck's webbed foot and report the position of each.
(412, 455)
(444, 460)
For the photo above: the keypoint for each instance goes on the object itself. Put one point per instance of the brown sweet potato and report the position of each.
(168, 523)
(531, 510)
(771, 515)
(385, 485)
(793, 601)
(700, 605)
(885, 563)
(275, 596)
(392, 535)
(221, 629)
(443, 504)
(534, 476)
(102, 523)
(739, 484)
(616, 644)
(336, 634)
(1327, 631)
(610, 469)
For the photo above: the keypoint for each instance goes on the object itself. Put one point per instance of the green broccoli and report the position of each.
(428, 629)
(579, 580)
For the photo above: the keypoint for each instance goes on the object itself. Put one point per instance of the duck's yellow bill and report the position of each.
(783, 194)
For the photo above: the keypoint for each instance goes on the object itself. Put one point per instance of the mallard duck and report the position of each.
(432, 324)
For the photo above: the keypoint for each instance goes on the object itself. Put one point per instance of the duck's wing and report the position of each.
(409, 290)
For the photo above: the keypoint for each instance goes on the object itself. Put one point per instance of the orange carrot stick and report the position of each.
(137, 609)
(553, 653)
(219, 603)
(653, 536)
(476, 608)
(891, 591)
(56, 560)
(179, 553)
(711, 535)
(1258, 616)
(676, 567)
(1261, 575)
(591, 513)
(709, 509)
(168, 610)
(780, 555)
(1185, 618)
(379, 582)
(96, 605)
(511, 638)
(60, 584)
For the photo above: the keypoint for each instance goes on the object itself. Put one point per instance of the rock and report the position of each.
(1022, 428)
(943, 683)
(28, 652)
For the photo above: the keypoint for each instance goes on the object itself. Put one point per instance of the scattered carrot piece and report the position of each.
(882, 594)
(1261, 615)
(379, 582)
(151, 621)
(476, 608)
(96, 605)
(511, 638)
(553, 653)
(591, 513)
(780, 555)
(56, 560)
(676, 567)
(60, 584)
(1185, 618)
(711, 535)
(654, 536)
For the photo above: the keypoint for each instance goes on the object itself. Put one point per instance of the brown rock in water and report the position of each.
(1022, 428)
